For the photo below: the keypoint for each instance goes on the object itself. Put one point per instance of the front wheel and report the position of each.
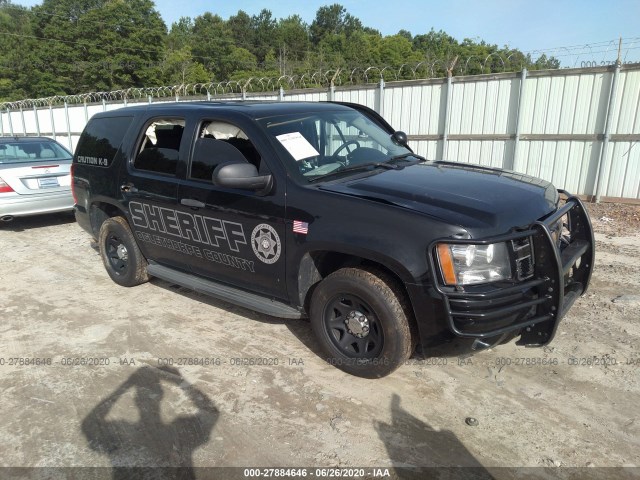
(362, 320)
(120, 254)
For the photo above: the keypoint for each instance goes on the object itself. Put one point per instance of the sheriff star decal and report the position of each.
(266, 243)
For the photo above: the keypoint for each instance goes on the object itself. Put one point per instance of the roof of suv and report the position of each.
(253, 109)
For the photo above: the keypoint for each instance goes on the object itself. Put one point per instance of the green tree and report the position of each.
(17, 61)
(179, 67)
(99, 44)
(240, 62)
(293, 42)
(361, 50)
(544, 62)
(264, 34)
(181, 34)
(333, 20)
(242, 30)
(396, 50)
(131, 40)
(406, 34)
(212, 43)
(293, 33)
(74, 46)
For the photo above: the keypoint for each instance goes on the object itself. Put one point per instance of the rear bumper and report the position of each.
(533, 306)
(25, 205)
(83, 219)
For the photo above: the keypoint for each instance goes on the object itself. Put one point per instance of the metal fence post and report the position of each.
(53, 123)
(511, 162)
(104, 105)
(150, 98)
(381, 97)
(10, 122)
(603, 160)
(66, 115)
(24, 124)
(86, 112)
(332, 92)
(281, 94)
(445, 128)
(35, 112)
(1, 125)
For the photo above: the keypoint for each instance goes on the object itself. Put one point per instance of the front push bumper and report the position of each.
(552, 270)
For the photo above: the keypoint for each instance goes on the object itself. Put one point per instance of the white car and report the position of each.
(34, 177)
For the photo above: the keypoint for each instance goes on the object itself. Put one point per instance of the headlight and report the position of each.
(561, 231)
(471, 264)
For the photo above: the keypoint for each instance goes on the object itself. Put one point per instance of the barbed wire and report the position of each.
(321, 78)
(592, 52)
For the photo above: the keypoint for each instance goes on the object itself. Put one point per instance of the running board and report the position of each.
(224, 292)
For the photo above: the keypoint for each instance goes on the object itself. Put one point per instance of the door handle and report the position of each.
(128, 188)
(190, 202)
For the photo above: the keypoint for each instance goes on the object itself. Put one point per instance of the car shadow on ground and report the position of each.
(157, 449)
(217, 303)
(20, 224)
(419, 451)
(301, 328)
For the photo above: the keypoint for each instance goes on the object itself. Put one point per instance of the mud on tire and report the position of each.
(363, 322)
(120, 254)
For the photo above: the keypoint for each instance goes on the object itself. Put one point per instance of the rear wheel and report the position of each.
(362, 320)
(120, 254)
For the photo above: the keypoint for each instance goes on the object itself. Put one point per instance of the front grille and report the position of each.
(523, 255)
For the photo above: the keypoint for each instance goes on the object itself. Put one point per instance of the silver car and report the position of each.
(34, 177)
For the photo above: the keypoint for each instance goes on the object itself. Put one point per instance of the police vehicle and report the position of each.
(322, 210)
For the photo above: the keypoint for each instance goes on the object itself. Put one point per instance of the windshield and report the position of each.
(320, 144)
(24, 152)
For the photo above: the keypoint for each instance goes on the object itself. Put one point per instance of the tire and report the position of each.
(120, 254)
(363, 322)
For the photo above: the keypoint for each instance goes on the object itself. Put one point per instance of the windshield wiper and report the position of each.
(405, 155)
(388, 164)
(353, 168)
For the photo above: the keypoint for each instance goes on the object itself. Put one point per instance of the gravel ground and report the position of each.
(104, 402)
(615, 219)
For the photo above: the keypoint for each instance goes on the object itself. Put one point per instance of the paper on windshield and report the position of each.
(298, 146)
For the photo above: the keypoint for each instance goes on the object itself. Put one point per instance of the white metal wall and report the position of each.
(550, 124)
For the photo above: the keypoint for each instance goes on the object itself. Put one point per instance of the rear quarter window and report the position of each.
(32, 151)
(101, 140)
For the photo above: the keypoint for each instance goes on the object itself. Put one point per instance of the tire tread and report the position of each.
(387, 287)
(139, 263)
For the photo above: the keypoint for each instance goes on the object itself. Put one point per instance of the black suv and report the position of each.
(323, 210)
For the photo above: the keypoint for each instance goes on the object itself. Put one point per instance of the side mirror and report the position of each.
(399, 138)
(241, 175)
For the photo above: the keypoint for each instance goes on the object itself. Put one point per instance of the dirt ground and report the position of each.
(81, 385)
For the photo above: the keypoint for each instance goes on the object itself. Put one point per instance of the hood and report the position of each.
(467, 195)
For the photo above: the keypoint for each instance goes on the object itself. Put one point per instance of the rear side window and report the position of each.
(160, 146)
(101, 140)
(32, 151)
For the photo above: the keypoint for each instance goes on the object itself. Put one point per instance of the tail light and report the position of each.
(73, 188)
(4, 187)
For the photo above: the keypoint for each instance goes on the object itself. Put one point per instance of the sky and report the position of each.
(528, 25)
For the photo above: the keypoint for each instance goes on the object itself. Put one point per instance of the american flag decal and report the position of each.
(300, 227)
